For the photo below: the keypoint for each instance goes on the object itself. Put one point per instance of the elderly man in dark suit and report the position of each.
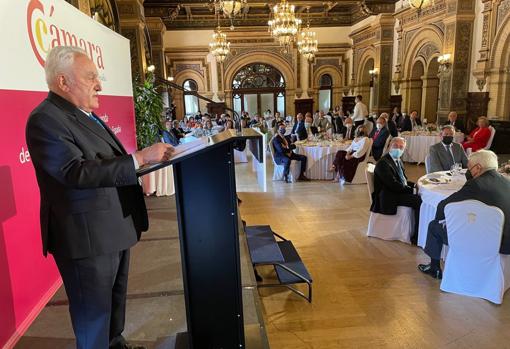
(283, 154)
(484, 184)
(379, 136)
(299, 130)
(452, 120)
(391, 187)
(92, 207)
(348, 131)
(444, 154)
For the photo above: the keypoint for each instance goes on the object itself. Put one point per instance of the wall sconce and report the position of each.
(170, 78)
(444, 62)
(373, 75)
(151, 68)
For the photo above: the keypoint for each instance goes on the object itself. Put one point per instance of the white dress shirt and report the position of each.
(360, 112)
(359, 147)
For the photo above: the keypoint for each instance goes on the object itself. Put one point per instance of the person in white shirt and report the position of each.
(360, 112)
(346, 161)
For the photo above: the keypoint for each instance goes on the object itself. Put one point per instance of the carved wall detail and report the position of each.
(503, 9)
(427, 51)
(179, 67)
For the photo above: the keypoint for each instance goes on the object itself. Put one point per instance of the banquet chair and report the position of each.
(427, 164)
(389, 227)
(278, 169)
(359, 176)
(474, 267)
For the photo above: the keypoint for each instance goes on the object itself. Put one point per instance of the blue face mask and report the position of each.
(282, 131)
(396, 153)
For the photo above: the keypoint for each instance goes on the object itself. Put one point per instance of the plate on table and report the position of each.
(436, 178)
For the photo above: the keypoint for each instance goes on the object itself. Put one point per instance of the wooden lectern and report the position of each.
(209, 236)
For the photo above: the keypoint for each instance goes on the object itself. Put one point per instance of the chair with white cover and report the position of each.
(474, 267)
(389, 227)
(359, 176)
(489, 142)
(278, 169)
(427, 164)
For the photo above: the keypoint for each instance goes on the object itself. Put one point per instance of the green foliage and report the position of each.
(148, 110)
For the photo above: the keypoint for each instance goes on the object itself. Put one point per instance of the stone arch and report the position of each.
(266, 57)
(426, 45)
(430, 97)
(178, 98)
(337, 80)
(416, 86)
(499, 74)
(366, 63)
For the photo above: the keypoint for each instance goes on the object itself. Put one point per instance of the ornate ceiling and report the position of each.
(200, 14)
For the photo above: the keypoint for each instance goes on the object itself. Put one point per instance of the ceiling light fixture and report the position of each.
(307, 42)
(284, 24)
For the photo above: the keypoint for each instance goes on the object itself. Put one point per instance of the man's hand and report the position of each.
(155, 153)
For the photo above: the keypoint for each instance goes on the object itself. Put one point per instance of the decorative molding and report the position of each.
(427, 51)
(179, 67)
(246, 50)
(503, 9)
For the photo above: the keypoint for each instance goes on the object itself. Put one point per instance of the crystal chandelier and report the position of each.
(284, 25)
(231, 8)
(307, 41)
(420, 4)
(219, 47)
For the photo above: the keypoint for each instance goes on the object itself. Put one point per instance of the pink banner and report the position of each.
(27, 279)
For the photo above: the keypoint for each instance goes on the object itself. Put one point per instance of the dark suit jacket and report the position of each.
(280, 150)
(492, 189)
(379, 143)
(440, 160)
(169, 137)
(458, 125)
(300, 130)
(337, 124)
(406, 124)
(91, 203)
(387, 186)
(392, 127)
(344, 132)
(178, 132)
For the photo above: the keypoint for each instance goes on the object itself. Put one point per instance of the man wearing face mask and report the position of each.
(283, 154)
(310, 129)
(391, 187)
(379, 136)
(484, 184)
(446, 153)
(348, 129)
(299, 129)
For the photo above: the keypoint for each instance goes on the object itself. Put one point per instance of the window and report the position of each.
(326, 93)
(191, 106)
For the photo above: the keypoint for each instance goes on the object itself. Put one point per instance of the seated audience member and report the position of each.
(484, 184)
(346, 161)
(348, 129)
(452, 120)
(410, 122)
(229, 124)
(379, 136)
(168, 136)
(221, 120)
(444, 154)
(391, 187)
(479, 137)
(392, 126)
(310, 129)
(322, 123)
(396, 116)
(283, 154)
(299, 130)
(177, 130)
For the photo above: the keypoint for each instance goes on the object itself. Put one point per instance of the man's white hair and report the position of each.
(487, 159)
(449, 127)
(59, 60)
(396, 139)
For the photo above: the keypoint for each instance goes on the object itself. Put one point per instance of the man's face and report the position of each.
(309, 119)
(168, 125)
(414, 114)
(381, 121)
(452, 116)
(83, 85)
(398, 144)
(299, 117)
(321, 114)
(447, 132)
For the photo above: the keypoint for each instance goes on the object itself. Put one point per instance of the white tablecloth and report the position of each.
(418, 145)
(320, 158)
(431, 195)
(160, 182)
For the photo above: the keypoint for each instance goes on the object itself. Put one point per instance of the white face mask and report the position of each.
(307, 124)
(348, 125)
(379, 126)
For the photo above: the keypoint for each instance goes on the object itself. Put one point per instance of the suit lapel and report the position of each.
(104, 134)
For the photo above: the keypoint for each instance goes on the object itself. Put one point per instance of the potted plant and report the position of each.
(148, 111)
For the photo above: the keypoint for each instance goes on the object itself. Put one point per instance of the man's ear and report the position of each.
(63, 83)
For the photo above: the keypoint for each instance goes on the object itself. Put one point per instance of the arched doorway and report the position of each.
(365, 90)
(326, 93)
(416, 88)
(257, 87)
(430, 92)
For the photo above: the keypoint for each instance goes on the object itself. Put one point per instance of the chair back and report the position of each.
(369, 126)
(369, 151)
(474, 228)
(369, 173)
(427, 164)
(491, 138)
(271, 149)
(387, 144)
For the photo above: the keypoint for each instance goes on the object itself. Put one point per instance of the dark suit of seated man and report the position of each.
(379, 136)
(92, 207)
(168, 135)
(391, 187)
(284, 155)
(299, 129)
(452, 120)
(484, 184)
(444, 154)
(348, 131)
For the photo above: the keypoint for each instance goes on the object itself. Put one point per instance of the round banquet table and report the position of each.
(160, 182)
(418, 144)
(431, 194)
(320, 156)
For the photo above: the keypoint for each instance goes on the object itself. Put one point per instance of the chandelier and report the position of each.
(219, 47)
(231, 8)
(307, 41)
(420, 4)
(284, 25)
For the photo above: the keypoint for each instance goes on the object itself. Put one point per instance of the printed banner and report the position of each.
(28, 30)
